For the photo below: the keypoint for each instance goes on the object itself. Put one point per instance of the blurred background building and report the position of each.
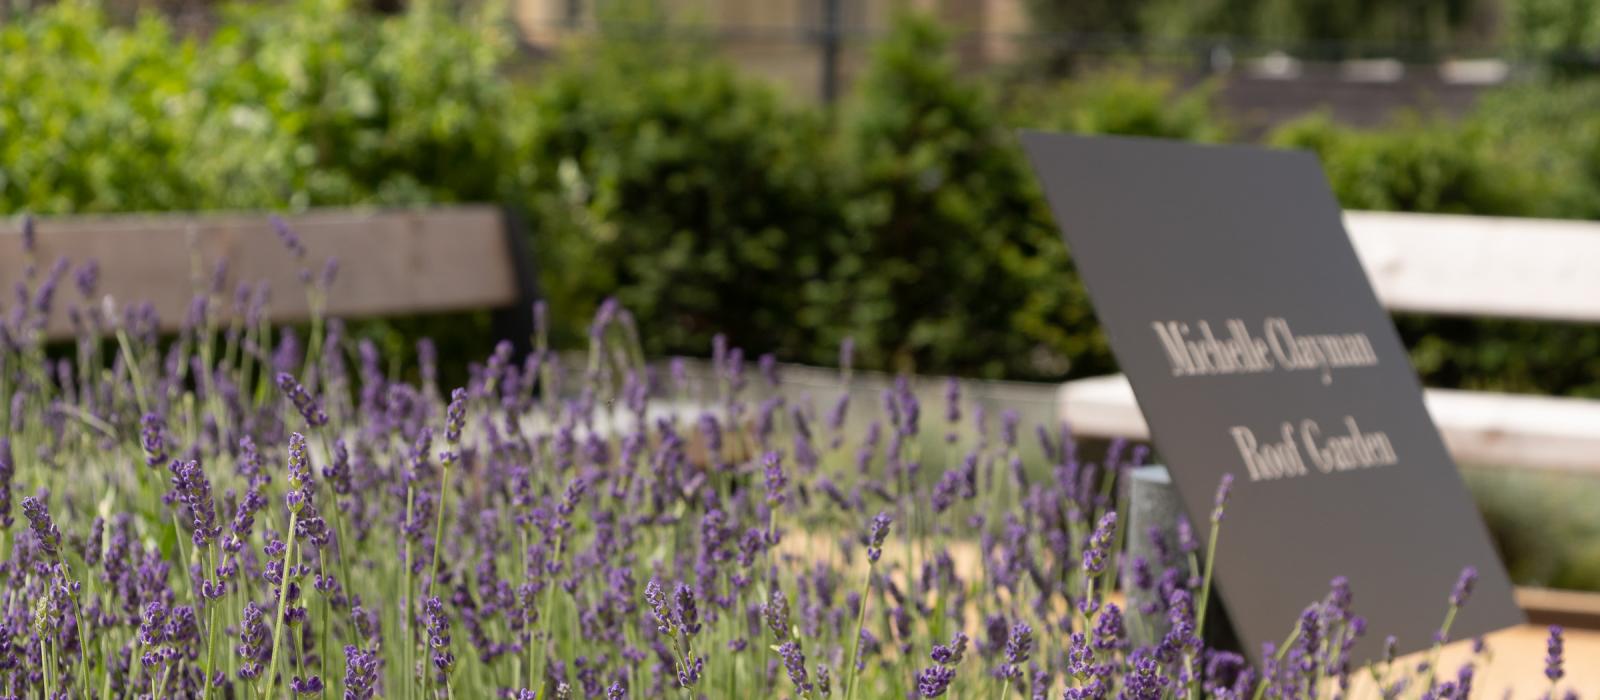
(1273, 59)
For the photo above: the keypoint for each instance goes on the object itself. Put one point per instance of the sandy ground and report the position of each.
(1517, 663)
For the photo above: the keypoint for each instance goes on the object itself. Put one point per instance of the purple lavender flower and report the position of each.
(43, 527)
(775, 479)
(1553, 655)
(1147, 682)
(1180, 614)
(876, 534)
(794, 661)
(933, 681)
(438, 635)
(290, 239)
(303, 402)
(455, 416)
(360, 673)
(299, 472)
(950, 654)
(1463, 588)
(656, 599)
(306, 686)
(1187, 544)
(1221, 502)
(338, 470)
(1095, 689)
(946, 490)
(769, 369)
(1018, 648)
(151, 437)
(194, 490)
(689, 672)
(1080, 656)
(776, 613)
(1108, 629)
(684, 611)
(1094, 556)
(30, 239)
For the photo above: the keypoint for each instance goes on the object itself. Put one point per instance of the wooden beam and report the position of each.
(1482, 428)
(1481, 265)
(1572, 609)
(399, 261)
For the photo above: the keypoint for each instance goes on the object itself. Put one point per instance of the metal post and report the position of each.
(830, 43)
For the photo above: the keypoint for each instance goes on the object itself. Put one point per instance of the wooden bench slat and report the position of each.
(392, 262)
(1572, 609)
(1478, 427)
(1481, 265)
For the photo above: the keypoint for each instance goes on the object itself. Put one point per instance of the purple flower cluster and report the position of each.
(584, 525)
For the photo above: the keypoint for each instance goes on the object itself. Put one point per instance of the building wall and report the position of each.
(783, 41)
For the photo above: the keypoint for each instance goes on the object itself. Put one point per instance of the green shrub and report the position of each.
(1121, 102)
(1416, 165)
(1512, 157)
(699, 198)
(947, 211)
(92, 117)
(309, 103)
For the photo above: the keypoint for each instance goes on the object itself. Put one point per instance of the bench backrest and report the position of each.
(1481, 265)
(391, 262)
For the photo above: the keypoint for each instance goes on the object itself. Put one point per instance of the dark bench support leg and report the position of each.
(515, 322)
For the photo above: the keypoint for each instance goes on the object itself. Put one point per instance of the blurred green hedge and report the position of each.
(707, 201)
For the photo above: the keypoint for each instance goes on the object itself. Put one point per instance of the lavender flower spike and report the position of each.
(1223, 488)
(1463, 589)
(1019, 647)
(1554, 651)
(878, 532)
(794, 661)
(932, 682)
(1094, 556)
(303, 402)
(43, 527)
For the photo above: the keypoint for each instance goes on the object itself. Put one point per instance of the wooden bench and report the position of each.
(391, 261)
(1450, 265)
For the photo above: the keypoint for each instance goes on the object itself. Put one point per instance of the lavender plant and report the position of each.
(231, 513)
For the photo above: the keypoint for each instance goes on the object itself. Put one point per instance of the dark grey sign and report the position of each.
(1239, 311)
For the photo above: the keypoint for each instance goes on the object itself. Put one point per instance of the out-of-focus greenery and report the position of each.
(936, 172)
(1565, 32)
(1531, 150)
(699, 198)
(905, 218)
(1544, 524)
(294, 105)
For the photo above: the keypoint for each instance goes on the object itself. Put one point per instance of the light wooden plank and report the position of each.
(1481, 265)
(1509, 430)
(390, 261)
